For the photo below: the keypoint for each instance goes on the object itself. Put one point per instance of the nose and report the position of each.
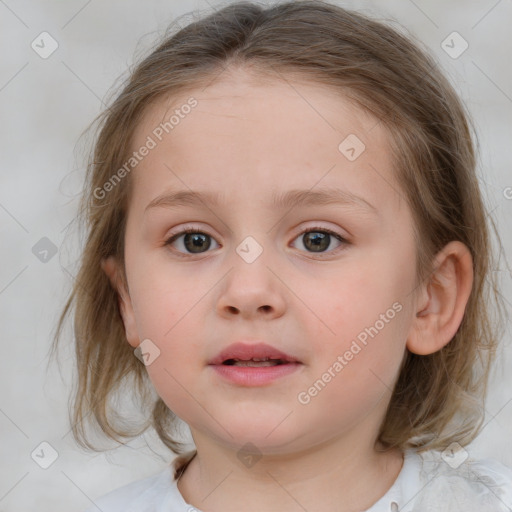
(252, 290)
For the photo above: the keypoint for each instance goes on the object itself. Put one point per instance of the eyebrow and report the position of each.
(279, 200)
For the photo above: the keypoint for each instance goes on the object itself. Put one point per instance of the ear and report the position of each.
(442, 300)
(111, 267)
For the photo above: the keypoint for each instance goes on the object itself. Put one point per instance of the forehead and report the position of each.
(243, 96)
(252, 134)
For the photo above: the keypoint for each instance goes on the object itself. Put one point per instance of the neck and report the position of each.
(339, 474)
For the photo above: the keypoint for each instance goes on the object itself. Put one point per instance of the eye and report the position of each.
(318, 239)
(194, 241)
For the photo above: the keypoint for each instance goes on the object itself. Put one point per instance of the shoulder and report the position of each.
(141, 495)
(452, 480)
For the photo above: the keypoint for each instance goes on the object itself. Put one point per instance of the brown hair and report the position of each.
(438, 398)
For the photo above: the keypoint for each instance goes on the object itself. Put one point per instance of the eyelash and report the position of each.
(185, 231)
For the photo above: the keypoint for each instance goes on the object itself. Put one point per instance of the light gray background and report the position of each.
(46, 104)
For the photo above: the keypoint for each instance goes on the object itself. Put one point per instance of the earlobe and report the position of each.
(443, 300)
(111, 268)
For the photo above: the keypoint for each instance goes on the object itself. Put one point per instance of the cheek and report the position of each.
(344, 302)
(354, 372)
(361, 315)
(162, 299)
(169, 319)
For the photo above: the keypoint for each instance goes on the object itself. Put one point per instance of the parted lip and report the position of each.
(246, 352)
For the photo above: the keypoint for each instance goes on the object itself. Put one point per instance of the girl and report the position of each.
(287, 242)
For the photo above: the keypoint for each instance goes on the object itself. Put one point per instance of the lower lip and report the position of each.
(255, 376)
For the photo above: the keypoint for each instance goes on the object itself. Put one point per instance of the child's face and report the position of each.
(307, 296)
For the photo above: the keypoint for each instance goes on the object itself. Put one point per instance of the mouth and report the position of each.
(253, 365)
(249, 365)
(252, 355)
(255, 362)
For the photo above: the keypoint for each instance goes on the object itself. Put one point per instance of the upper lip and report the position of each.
(246, 352)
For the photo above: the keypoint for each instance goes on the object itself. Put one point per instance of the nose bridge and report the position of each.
(250, 263)
(250, 286)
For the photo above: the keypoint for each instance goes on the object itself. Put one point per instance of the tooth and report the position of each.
(256, 363)
(253, 359)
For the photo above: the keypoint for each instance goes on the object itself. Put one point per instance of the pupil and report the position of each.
(318, 240)
(314, 240)
(194, 241)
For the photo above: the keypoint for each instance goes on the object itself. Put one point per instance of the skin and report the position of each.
(246, 139)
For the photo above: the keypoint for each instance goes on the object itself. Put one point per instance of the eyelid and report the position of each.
(317, 227)
(183, 230)
(189, 228)
(327, 254)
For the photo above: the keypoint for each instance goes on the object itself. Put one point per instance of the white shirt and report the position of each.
(426, 483)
